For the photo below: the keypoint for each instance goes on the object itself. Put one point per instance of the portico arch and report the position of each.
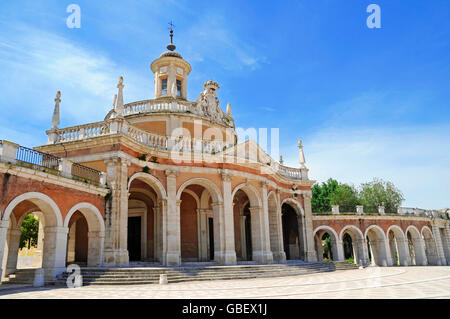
(335, 243)
(200, 204)
(55, 233)
(416, 246)
(358, 244)
(293, 229)
(95, 235)
(398, 245)
(376, 241)
(252, 231)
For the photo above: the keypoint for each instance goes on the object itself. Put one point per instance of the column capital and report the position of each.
(179, 202)
(171, 173)
(264, 183)
(307, 194)
(255, 209)
(219, 204)
(226, 176)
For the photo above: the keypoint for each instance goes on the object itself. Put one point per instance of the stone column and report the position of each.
(70, 255)
(55, 244)
(95, 248)
(310, 251)
(268, 256)
(277, 246)
(172, 221)
(256, 229)
(116, 234)
(442, 261)
(4, 225)
(419, 248)
(363, 252)
(338, 249)
(203, 238)
(13, 250)
(243, 238)
(445, 238)
(227, 254)
(403, 251)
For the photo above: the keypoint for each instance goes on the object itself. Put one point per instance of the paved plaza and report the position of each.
(372, 282)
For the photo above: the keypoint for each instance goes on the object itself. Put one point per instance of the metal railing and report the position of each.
(28, 155)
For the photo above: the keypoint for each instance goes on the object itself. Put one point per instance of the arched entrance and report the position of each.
(293, 234)
(376, 245)
(145, 236)
(54, 247)
(86, 236)
(200, 229)
(251, 230)
(398, 246)
(354, 244)
(416, 247)
(327, 244)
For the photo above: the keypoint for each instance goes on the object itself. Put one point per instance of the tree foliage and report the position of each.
(321, 199)
(372, 194)
(380, 193)
(30, 229)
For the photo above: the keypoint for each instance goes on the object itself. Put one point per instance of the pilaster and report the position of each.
(310, 250)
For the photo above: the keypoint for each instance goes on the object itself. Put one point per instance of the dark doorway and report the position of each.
(248, 234)
(134, 238)
(290, 230)
(348, 247)
(211, 238)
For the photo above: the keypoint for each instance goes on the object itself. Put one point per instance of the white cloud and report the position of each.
(415, 159)
(35, 64)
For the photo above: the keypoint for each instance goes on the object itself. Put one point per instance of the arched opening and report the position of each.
(242, 226)
(53, 248)
(143, 203)
(349, 254)
(293, 235)
(252, 239)
(398, 246)
(353, 244)
(326, 241)
(416, 247)
(200, 208)
(430, 247)
(77, 242)
(376, 245)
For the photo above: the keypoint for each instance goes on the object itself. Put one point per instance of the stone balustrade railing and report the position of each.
(26, 157)
(380, 210)
(155, 106)
(290, 172)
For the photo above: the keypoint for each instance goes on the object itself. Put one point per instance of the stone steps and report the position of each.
(187, 272)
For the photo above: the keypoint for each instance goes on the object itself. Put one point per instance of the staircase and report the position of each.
(148, 273)
(20, 277)
(131, 276)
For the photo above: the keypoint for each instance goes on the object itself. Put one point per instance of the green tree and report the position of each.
(380, 193)
(345, 196)
(321, 198)
(30, 229)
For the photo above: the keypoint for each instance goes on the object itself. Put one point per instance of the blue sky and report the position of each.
(366, 102)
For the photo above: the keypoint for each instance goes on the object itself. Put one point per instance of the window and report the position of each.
(164, 87)
(178, 87)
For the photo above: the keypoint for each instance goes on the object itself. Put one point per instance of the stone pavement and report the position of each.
(372, 282)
